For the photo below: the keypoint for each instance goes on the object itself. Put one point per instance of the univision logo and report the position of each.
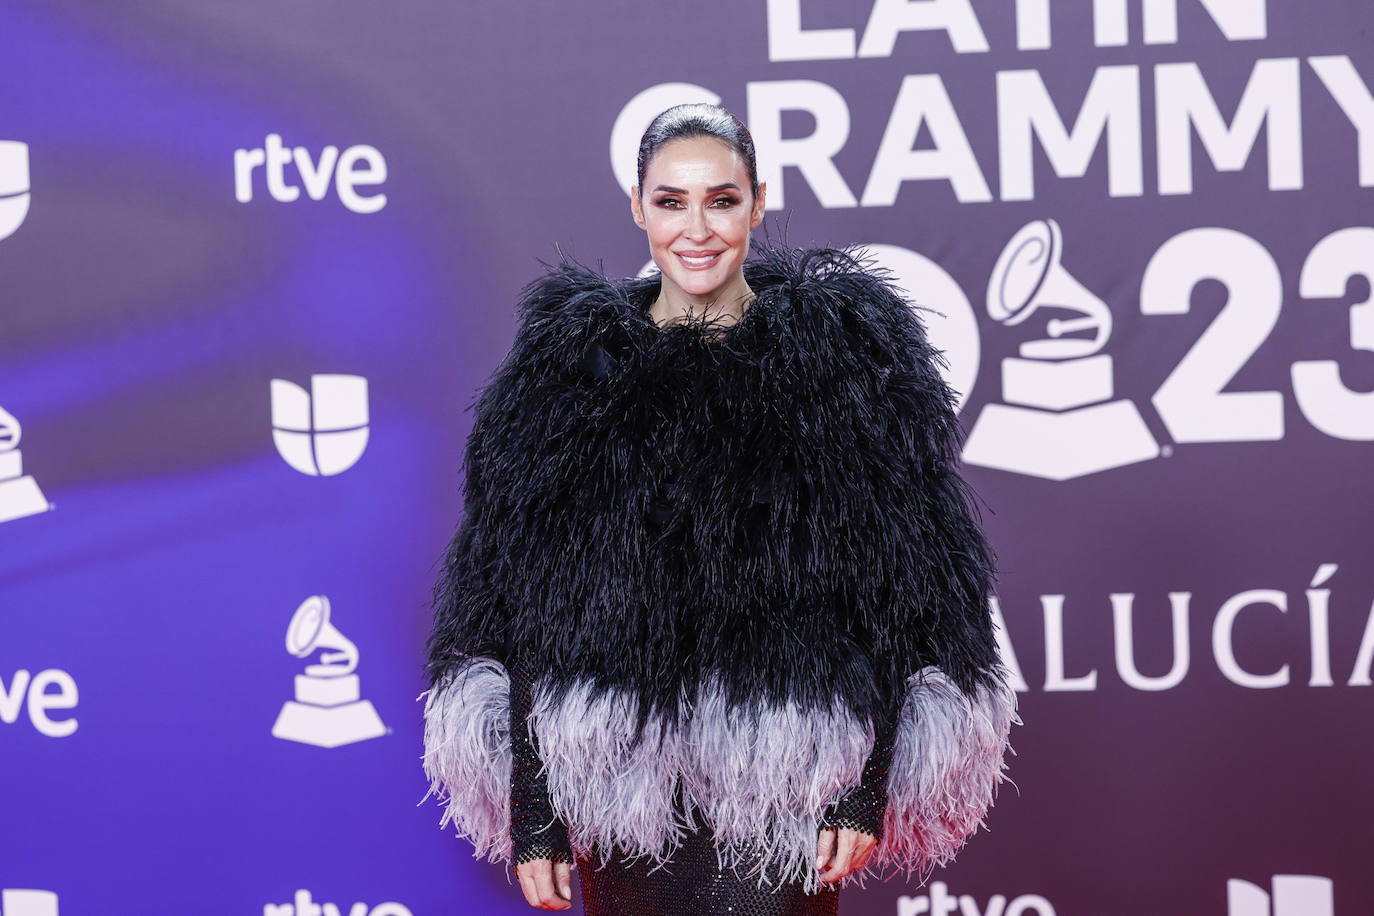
(1292, 895)
(28, 903)
(14, 186)
(323, 431)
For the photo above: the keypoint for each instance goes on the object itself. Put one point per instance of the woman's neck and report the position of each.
(673, 304)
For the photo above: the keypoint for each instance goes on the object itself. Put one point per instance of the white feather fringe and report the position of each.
(946, 764)
(467, 754)
(761, 775)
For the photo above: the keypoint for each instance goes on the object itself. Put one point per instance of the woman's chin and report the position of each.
(698, 286)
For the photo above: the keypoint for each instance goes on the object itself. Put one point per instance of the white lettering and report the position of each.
(812, 155)
(922, 100)
(1112, 105)
(41, 701)
(1319, 628)
(1032, 26)
(1239, 20)
(1026, 902)
(349, 176)
(1222, 645)
(1324, 399)
(305, 906)
(638, 113)
(12, 698)
(787, 41)
(969, 907)
(316, 178)
(1015, 679)
(912, 906)
(277, 160)
(1364, 658)
(1053, 607)
(889, 18)
(1122, 627)
(1184, 102)
(245, 161)
(1350, 92)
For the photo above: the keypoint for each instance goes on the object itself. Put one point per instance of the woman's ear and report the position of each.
(756, 217)
(637, 207)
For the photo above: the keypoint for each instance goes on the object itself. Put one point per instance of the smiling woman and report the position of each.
(697, 200)
(714, 625)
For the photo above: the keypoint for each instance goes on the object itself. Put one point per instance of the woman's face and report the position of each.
(697, 210)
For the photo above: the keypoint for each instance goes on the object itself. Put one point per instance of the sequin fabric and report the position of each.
(535, 832)
(692, 883)
(863, 807)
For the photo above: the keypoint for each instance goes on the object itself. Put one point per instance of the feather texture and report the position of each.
(722, 546)
(761, 775)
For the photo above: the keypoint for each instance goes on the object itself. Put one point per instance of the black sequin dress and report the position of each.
(692, 882)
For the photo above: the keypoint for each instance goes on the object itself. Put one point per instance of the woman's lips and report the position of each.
(698, 260)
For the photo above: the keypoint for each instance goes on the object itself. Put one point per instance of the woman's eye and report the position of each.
(723, 202)
(669, 203)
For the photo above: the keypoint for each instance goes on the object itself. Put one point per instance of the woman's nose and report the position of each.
(696, 224)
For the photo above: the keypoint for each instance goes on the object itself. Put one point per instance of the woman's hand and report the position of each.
(547, 885)
(849, 853)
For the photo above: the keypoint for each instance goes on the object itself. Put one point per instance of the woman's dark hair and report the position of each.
(682, 122)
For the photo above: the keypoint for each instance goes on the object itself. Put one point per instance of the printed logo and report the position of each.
(45, 691)
(1292, 895)
(328, 710)
(304, 906)
(940, 902)
(19, 493)
(356, 166)
(14, 186)
(28, 903)
(324, 431)
(1059, 421)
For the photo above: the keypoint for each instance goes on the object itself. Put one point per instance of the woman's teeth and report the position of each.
(698, 261)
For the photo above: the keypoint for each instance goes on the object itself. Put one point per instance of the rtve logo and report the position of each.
(28, 903)
(304, 906)
(41, 701)
(14, 186)
(356, 166)
(941, 902)
(1293, 895)
(323, 431)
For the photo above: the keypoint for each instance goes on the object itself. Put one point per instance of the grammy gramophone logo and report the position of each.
(328, 710)
(1059, 420)
(19, 493)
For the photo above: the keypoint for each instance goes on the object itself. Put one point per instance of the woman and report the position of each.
(717, 604)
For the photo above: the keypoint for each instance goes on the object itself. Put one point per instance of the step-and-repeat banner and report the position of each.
(257, 258)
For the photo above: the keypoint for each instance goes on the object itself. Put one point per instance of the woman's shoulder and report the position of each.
(570, 290)
(843, 288)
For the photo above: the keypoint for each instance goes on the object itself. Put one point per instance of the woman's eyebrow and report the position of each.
(711, 190)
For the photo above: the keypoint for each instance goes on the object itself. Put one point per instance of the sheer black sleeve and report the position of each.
(535, 832)
(864, 806)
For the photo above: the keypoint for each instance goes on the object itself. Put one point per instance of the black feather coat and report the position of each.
(772, 506)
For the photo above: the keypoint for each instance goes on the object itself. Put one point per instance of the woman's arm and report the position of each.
(539, 840)
(535, 831)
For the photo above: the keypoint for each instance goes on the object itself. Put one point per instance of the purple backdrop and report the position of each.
(257, 257)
